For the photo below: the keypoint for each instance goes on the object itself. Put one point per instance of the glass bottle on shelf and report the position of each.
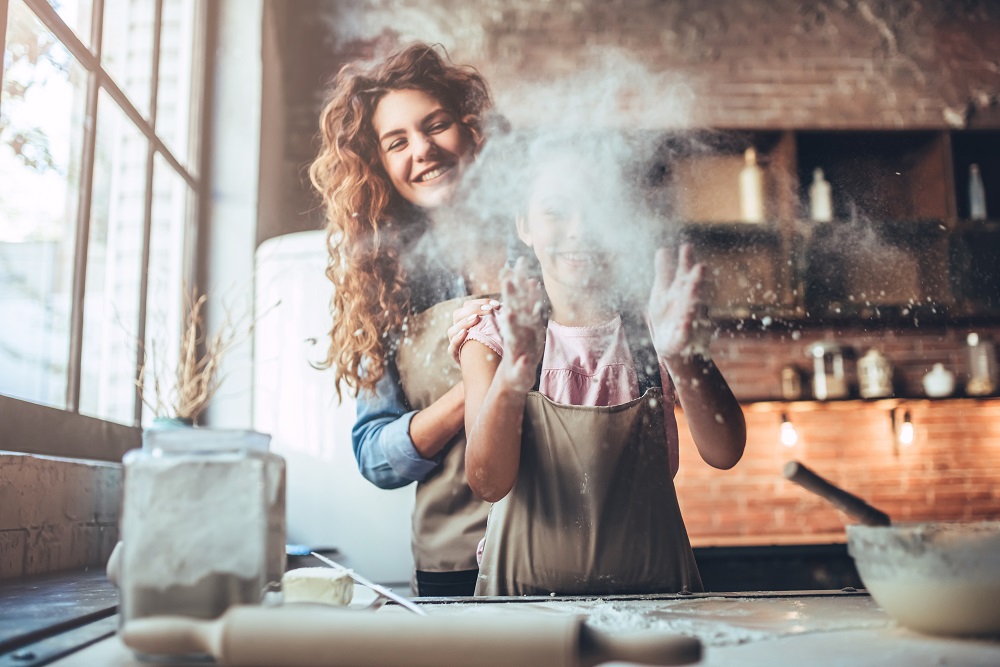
(982, 366)
(820, 198)
(751, 188)
(977, 194)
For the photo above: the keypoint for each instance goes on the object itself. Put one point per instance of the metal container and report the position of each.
(874, 375)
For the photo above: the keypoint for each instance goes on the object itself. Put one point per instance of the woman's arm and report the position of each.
(681, 334)
(395, 446)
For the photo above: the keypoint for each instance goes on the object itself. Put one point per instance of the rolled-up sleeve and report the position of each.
(381, 436)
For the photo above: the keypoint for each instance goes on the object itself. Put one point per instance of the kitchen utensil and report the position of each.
(381, 590)
(940, 578)
(846, 502)
(250, 636)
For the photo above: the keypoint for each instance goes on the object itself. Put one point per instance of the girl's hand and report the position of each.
(464, 319)
(522, 324)
(677, 313)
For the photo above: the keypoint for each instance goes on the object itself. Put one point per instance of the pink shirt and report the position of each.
(588, 366)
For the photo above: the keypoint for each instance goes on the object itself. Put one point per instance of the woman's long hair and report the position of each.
(366, 217)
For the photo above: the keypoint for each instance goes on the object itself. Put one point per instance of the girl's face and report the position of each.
(423, 148)
(565, 226)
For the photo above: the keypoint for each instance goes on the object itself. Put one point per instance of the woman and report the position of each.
(396, 141)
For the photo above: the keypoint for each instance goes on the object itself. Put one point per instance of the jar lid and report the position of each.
(204, 440)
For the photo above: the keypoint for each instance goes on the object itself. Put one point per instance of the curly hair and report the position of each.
(368, 222)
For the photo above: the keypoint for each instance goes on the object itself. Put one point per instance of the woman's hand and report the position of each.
(464, 319)
(522, 324)
(677, 313)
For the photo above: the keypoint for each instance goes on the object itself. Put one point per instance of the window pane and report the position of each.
(127, 48)
(171, 198)
(114, 267)
(76, 14)
(41, 135)
(174, 99)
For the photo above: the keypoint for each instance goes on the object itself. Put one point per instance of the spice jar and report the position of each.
(203, 522)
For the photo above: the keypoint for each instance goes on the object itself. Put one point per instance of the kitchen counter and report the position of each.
(791, 628)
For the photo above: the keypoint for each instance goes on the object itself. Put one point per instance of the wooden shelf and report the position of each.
(771, 405)
(900, 249)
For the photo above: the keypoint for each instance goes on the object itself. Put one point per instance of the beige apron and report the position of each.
(593, 510)
(448, 520)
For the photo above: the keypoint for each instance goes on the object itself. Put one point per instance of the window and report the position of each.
(96, 216)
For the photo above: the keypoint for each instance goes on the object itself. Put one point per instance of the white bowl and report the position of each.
(940, 578)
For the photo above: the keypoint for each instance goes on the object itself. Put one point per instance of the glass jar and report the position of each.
(982, 366)
(874, 375)
(829, 371)
(203, 522)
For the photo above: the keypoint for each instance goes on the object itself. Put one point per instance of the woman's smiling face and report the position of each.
(422, 146)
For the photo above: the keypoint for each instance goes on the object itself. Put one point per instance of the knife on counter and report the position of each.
(381, 590)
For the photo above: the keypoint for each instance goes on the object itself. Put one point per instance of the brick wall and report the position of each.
(861, 64)
(745, 64)
(950, 471)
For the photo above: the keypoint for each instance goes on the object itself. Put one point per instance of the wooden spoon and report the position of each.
(847, 502)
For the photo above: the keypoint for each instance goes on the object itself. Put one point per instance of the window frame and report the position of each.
(38, 429)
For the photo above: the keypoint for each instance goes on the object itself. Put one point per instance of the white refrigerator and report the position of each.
(329, 502)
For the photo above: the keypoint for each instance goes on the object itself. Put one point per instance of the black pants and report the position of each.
(447, 584)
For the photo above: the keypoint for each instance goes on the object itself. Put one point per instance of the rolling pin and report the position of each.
(249, 636)
(846, 502)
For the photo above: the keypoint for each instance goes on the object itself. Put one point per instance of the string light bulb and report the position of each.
(789, 436)
(905, 435)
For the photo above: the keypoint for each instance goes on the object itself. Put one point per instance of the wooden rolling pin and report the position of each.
(847, 502)
(247, 636)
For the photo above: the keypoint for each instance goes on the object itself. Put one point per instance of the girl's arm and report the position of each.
(496, 388)
(681, 334)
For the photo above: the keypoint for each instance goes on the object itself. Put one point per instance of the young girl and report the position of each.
(572, 439)
(396, 141)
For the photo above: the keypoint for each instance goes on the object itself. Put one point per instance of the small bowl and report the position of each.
(939, 578)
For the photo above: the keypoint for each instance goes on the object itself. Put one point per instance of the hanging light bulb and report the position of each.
(788, 434)
(906, 431)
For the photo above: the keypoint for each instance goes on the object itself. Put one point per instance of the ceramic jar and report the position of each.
(939, 382)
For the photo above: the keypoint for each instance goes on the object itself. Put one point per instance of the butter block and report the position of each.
(317, 584)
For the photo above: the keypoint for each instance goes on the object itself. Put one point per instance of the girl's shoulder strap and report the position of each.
(640, 343)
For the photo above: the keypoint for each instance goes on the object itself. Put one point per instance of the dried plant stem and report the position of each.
(196, 376)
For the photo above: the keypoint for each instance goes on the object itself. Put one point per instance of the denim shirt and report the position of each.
(381, 435)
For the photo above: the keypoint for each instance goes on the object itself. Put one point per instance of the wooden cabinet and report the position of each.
(900, 246)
